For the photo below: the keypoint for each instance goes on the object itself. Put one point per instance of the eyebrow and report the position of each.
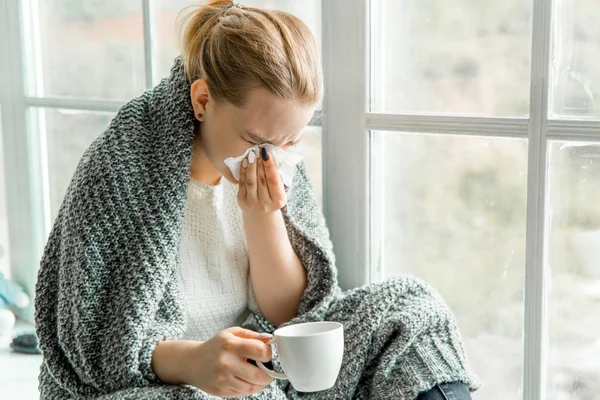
(259, 139)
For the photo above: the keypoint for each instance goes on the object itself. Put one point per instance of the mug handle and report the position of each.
(271, 373)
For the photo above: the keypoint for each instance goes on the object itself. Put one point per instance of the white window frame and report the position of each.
(347, 124)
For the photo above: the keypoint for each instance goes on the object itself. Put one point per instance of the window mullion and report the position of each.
(345, 140)
(147, 24)
(452, 125)
(535, 336)
(574, 130)
(70, 103)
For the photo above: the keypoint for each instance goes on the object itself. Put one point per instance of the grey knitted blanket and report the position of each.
(107, 290)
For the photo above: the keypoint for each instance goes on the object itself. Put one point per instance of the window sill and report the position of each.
(18, 372)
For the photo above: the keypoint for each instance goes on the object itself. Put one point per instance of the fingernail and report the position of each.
(252, 157)
(264, 335)
(245, 163)
(265, 155)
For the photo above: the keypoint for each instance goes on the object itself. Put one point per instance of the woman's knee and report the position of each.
(412, 283)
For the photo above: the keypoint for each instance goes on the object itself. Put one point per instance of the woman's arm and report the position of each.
(170, 360)
(278, 277)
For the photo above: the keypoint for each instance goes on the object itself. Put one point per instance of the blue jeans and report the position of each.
(446, 391)
(442, 391)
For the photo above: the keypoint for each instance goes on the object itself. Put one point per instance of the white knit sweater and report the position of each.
(213, 261)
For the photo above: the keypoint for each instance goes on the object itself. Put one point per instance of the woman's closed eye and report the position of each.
(261, 143)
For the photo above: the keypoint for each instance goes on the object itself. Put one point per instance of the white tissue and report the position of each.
(285, 161)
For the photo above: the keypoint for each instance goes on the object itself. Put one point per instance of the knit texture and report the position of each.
(213, 260)
(107, 289)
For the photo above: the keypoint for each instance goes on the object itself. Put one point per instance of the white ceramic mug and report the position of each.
(310, 354)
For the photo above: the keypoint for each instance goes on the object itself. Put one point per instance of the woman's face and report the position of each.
(227, 130)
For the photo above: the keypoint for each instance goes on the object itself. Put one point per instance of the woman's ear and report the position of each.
(200, 96)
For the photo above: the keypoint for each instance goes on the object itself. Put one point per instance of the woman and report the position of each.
(166, 270)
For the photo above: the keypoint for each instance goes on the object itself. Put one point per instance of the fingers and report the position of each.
(261, 186)
(250, 374)
(246, 378)
(247, 333)
(263, 189)
(251, 183)
(254, 349)
(242, 184)
(274, 182)
(243, 387)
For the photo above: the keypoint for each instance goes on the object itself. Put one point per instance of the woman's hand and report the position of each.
(219, 367)
(261, 188)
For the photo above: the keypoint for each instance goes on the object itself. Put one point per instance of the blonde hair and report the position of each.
(237, 48)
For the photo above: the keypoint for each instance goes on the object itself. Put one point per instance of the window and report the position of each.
(460, 143)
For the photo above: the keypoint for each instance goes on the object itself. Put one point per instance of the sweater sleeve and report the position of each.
(93, 341)
(105, 292)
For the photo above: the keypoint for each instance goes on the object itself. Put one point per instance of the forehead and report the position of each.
(273, 118)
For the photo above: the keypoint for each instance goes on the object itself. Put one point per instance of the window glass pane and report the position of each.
(166, 37)
(90, 48)
(452, 211)
(165, 40)
(68, 134)
(456, 57)
(576, 59)
(573, 359)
